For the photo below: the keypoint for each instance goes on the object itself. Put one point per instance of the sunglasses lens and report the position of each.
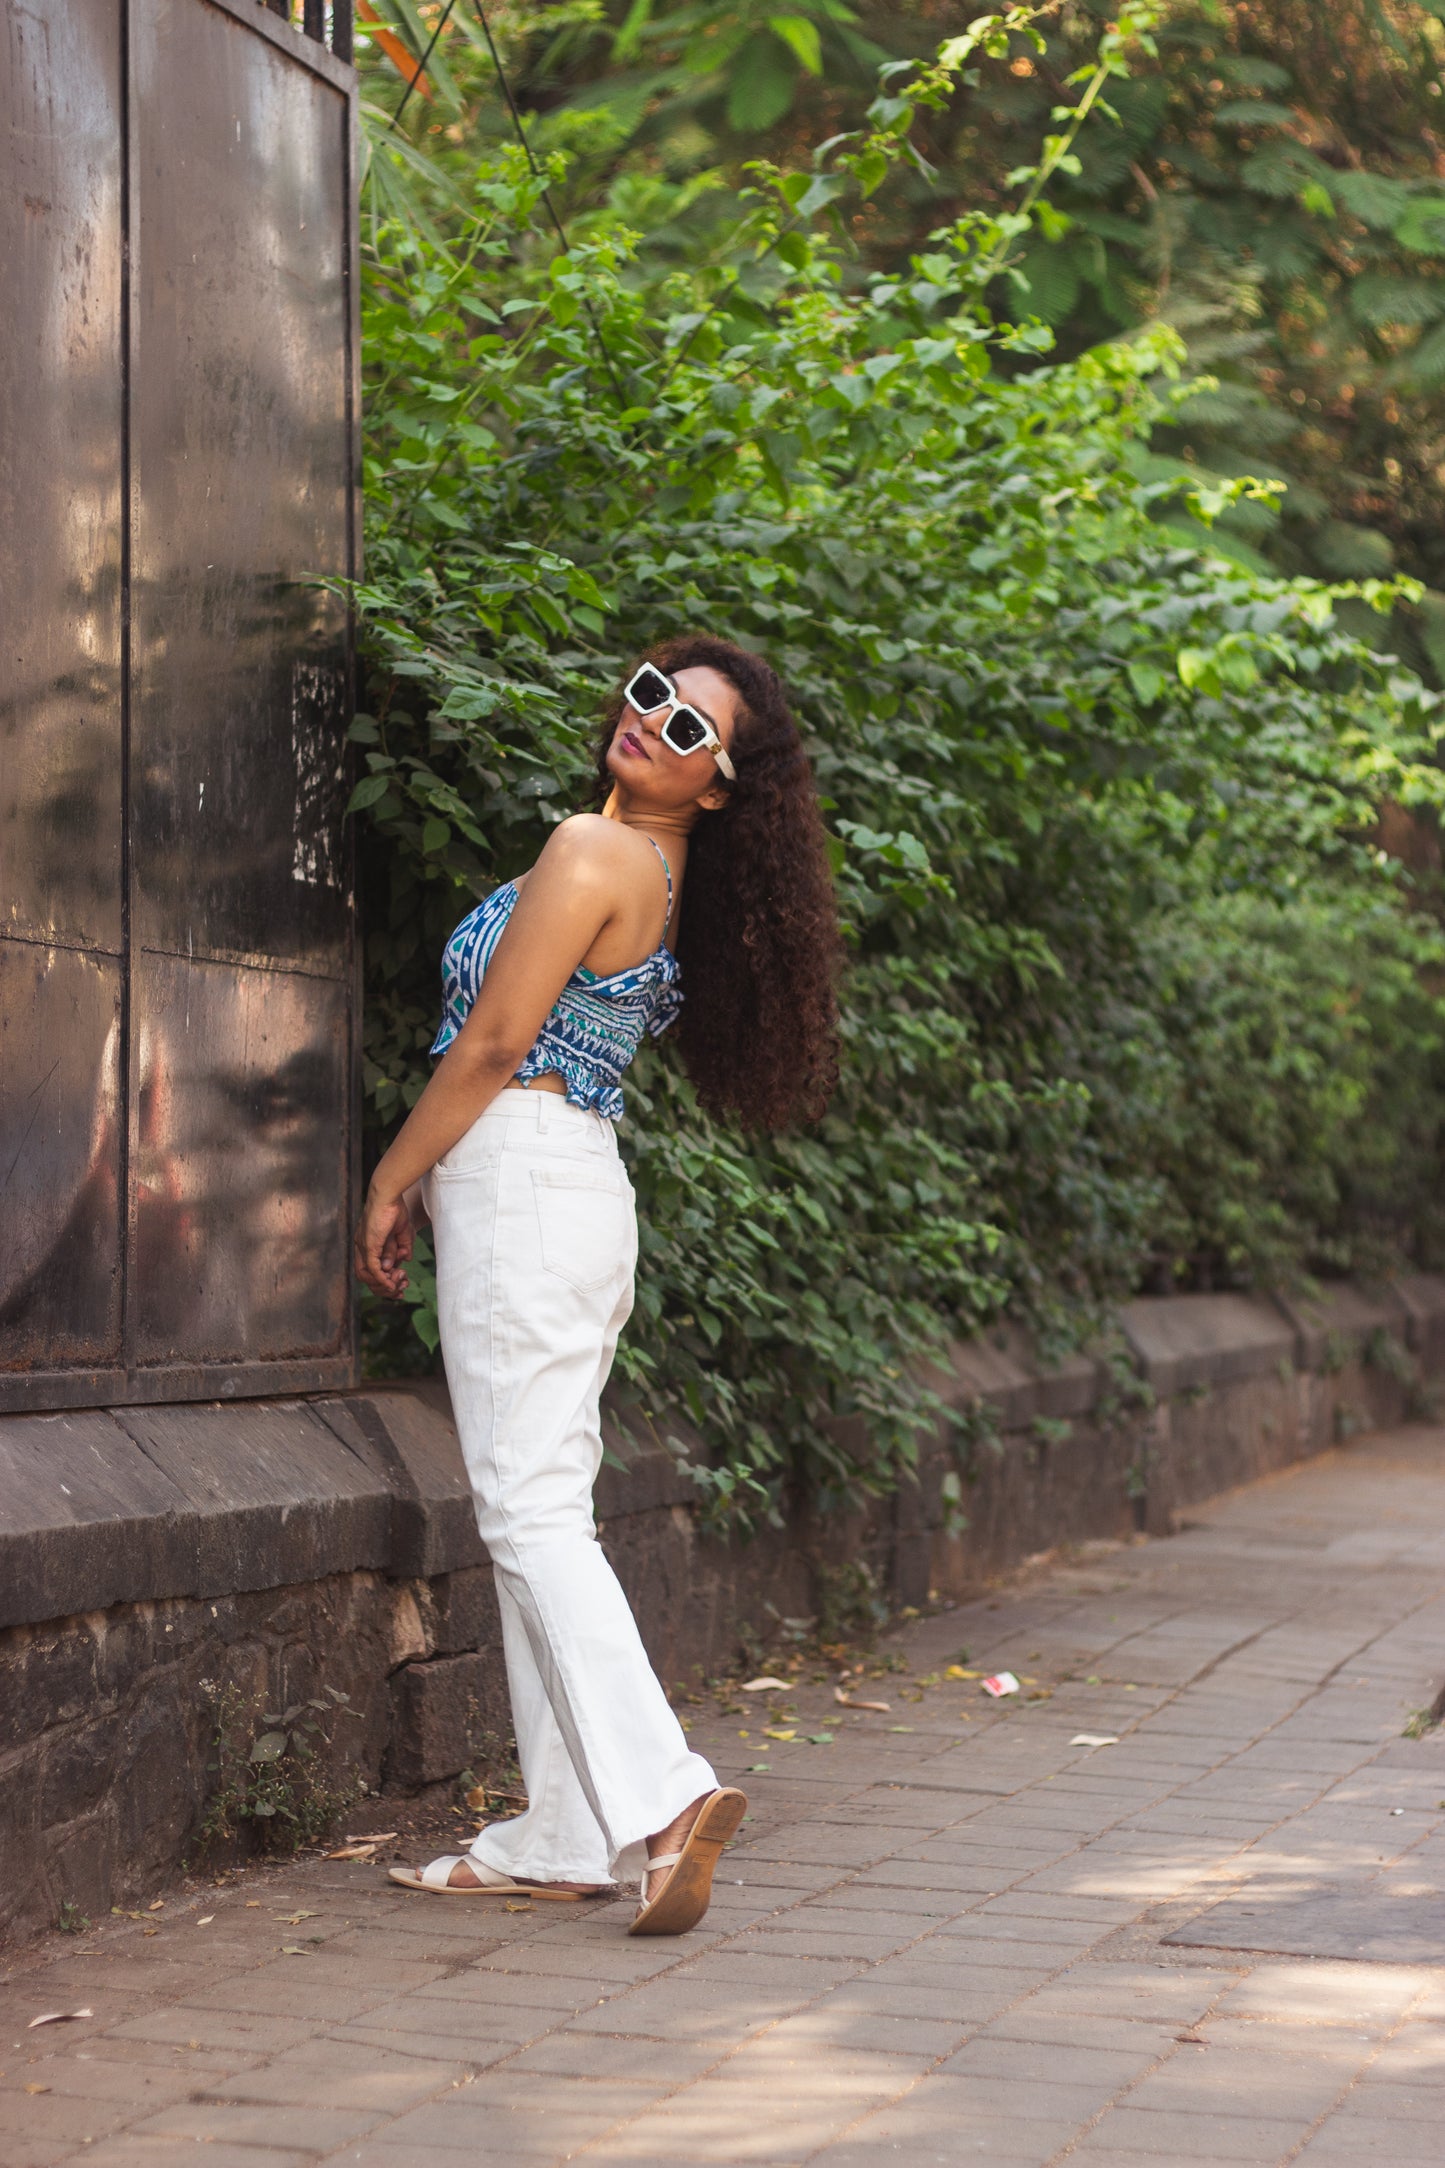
(685, 731)
(649, 690)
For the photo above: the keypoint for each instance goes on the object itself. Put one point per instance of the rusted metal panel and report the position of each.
(242, 466)
(60, 477)
(61, 1123)
(240, 1164)
(177, 479)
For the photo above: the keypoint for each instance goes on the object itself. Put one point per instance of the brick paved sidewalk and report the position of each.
(951, 1934)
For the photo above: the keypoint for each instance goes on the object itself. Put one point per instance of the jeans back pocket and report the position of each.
(582, 1218)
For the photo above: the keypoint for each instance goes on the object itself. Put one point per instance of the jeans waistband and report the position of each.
(546, 1112)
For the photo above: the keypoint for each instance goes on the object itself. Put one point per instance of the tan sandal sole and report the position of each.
(408, 1878)
(687, 1892)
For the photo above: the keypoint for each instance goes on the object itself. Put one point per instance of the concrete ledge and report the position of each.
(1004, 1369)
(1422, 1297)
(102, 1508)
(1339, 1321)
(1185, 1343)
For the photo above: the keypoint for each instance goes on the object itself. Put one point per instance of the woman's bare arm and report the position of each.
(569, 898)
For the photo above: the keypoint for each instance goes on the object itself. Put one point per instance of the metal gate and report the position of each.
(178, 467)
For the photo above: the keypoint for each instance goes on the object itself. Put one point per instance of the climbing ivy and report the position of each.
(1134, 999)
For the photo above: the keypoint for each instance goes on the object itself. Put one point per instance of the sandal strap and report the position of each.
(438, 1872)
(489, 1877)
(655, 1866)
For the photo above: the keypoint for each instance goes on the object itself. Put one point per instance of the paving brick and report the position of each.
(689, 2010)
(327, 2073)
(1376, 2097)
(941, 2110)
(471, 2051)
(716, 2120)
(1094, 1989)
(936, 1998)
(792, 1937)
(923, 2039)
(314, 2130)
(290, 1988)
(142, 2086)
(420, 2017)
(1334, 1994)
(452, 2128)
(385, 2151)
(1350, 2141)
(739, 1964)
(251, 2034)
(59, 2119)
(1215, 2082)
(1030, 2062)
(145, 2150)
(1211, 2138)
(602, 2055)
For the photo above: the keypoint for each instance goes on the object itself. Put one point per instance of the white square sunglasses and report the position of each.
(687, 729)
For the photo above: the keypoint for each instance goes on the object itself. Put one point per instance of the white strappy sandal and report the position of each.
(687, 1892)
(491, 1882)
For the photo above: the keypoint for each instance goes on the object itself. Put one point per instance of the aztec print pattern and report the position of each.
(596, 1024)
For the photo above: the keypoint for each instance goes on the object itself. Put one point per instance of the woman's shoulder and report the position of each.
(590, 845)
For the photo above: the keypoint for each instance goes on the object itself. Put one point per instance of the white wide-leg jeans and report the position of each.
(536, 1244)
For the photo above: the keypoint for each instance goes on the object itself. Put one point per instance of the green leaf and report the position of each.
(762, 86)
(1422, 227)
(367, 792)
(871, 170)
(801, 38)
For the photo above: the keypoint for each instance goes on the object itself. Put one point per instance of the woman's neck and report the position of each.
(672, 825)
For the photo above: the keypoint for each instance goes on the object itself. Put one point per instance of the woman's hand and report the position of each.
(383, 1243)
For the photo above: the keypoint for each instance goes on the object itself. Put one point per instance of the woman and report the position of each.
(550, 984)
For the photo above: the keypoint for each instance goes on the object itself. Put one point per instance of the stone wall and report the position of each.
(288, 1546)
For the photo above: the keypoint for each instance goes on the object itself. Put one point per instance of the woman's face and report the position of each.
(650, 773)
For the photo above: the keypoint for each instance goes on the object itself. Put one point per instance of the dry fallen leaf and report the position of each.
(293, 1949)
(253, 1904)
(156, 1907)
(56, 2017)
(762, 1686)
(380, 1836)
(846, 1701)
(149, 1931)
(513, 1905)
(294, 1919)
(206, 1920)
(354, 1851)
(956, 1671)
(780, 1735)
(37, 2088)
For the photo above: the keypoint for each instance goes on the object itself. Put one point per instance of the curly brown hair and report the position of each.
(758, 938)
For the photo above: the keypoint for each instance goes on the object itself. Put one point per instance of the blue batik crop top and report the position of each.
(597, 1022)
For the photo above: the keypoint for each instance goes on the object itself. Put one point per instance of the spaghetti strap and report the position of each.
(668, 871)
